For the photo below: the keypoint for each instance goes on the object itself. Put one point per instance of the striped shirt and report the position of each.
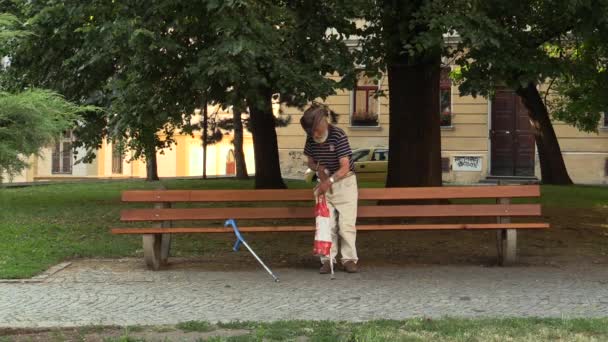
(329, 153)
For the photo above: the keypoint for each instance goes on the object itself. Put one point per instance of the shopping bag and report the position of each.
(322, 245)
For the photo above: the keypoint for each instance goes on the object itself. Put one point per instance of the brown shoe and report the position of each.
(351, 267)
(326, 268)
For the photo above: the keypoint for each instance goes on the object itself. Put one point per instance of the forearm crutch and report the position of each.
(239, 240)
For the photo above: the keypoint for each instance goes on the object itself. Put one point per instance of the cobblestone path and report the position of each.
(105, 294)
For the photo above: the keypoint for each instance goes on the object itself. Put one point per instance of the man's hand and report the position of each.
(324, 187)
(323, 176)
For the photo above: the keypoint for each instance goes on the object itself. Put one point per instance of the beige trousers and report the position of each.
(342, 203)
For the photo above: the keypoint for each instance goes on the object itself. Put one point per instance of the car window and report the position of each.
(380, 155)
(360, 155)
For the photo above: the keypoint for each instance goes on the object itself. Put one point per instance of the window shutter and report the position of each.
(55, 163)
(66, 158)
(445, 165)
(116, 160)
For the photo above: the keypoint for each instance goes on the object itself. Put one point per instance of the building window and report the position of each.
(365, 102)
(605, 120)
(62, 155)
(117, 158)
(445, 97)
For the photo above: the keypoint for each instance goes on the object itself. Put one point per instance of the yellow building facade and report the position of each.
(480, 138)
(183, 159)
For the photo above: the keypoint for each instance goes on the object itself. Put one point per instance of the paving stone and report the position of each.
(78, 296)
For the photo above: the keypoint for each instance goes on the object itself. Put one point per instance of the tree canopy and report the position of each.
(397, 38)
(257, 50)
(523, 46)
(150, 64)
(31, 119)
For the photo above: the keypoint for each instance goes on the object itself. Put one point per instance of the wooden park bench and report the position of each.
(271, 205)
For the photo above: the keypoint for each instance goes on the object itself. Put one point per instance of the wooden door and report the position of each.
(512, 136)
(230, 164)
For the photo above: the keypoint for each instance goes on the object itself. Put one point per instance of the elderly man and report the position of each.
(329, 154)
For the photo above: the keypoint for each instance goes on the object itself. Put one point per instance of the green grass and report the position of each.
(447, 329)
(417, 329)
(195, 326)
(577, 196)
(43, 225)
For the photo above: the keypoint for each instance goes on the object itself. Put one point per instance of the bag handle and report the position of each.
(321, 199)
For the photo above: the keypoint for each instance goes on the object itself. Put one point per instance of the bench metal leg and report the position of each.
(507, 246)
(157, 246)
(165, 248)
(510, 246)
(152, 247)
(499, 246)
(506, 239)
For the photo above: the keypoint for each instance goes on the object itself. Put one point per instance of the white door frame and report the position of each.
(489, 159)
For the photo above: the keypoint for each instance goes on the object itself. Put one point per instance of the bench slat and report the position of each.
(450, 210)
(471, 226)
(453, 192)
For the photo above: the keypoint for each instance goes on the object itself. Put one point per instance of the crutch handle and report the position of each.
(239, 237)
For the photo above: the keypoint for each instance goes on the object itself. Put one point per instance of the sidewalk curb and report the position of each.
(41, 277)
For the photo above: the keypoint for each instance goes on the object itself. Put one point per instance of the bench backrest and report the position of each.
(452, 192)
(279, 210)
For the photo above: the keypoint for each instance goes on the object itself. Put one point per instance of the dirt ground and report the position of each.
(576, 237)
(103, 334)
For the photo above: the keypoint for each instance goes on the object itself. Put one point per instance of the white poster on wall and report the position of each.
(467, 163)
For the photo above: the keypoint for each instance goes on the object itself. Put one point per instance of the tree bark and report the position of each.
(151, 163)
(414, 131)
(205, 138)
(239, 155)
(265, 146)
(552, 167)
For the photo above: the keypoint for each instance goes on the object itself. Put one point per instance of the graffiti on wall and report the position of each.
(293, 163)
(467, 163)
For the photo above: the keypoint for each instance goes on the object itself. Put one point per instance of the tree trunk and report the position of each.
(552, 167)
(205, 139)
(265, 146)
(151, 164)
(414, 132)
(239, 155)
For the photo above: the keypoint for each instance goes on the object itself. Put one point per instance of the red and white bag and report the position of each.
(322, 245)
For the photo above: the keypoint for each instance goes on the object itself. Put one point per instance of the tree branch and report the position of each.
(548, 90)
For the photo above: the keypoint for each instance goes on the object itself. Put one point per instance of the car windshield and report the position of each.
(360, 155)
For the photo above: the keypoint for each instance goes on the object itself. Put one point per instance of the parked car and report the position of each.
(371, 165)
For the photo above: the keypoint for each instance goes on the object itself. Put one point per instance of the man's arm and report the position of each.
(344, 154)
(343, 170)
(313, 165)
